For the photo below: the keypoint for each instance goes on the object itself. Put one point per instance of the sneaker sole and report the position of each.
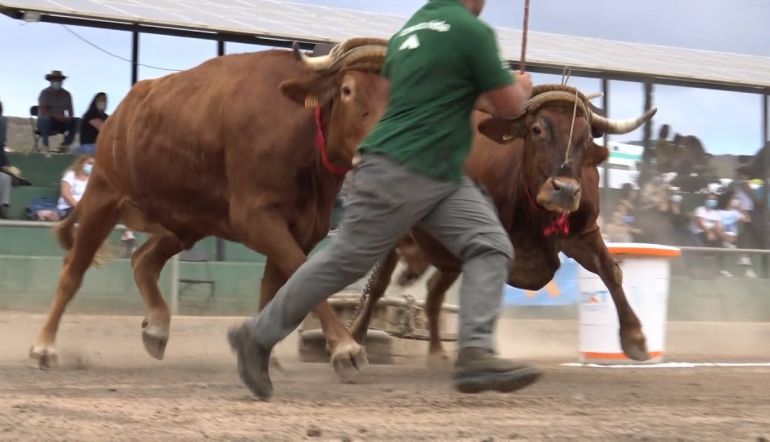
(504, 382)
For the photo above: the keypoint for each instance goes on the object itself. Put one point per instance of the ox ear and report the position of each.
(500, 131)
(595, 155)
(311, 92)
(300, 92)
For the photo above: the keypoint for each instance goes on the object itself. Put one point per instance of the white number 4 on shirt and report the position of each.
(410, 43)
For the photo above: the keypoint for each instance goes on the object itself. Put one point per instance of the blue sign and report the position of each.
(562, 290)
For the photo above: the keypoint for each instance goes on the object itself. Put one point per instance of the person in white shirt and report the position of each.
(731, 218)
(73, 184)
(706, 223)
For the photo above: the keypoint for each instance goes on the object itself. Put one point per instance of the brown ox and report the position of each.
(220, 150)
(546, 190)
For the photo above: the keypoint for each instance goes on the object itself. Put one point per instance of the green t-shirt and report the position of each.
(438, 65)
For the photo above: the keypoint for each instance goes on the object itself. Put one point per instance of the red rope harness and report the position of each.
(559, 225)
(320, 144)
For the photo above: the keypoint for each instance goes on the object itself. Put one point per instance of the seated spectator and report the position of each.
(73, 184)
(731, 218)
(91, 123)
(706, 227)
(676, 215)
(55, 112)
(705, 224)
(618, 230)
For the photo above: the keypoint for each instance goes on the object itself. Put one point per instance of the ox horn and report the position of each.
(595, 95)
(555, 95)
(621, 126)
(344, 53)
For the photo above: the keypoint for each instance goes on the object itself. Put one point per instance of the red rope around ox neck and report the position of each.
(320, 144)
(559, 225)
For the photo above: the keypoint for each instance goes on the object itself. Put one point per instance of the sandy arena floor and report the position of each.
(106, 388)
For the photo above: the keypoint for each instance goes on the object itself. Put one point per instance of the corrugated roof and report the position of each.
(293, 21)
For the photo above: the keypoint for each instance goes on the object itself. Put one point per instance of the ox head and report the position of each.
(553, 163)
(347, 86)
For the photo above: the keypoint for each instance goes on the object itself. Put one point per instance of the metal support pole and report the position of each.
(648, 153)
(175, 285)
(606, 109)
(766, 177)
(134, 57)
(220, 48)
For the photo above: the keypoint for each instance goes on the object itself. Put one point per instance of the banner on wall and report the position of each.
(561, 290)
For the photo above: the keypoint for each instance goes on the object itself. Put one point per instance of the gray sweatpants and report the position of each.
(387, 199)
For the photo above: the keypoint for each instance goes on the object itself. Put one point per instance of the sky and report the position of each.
(30, 50)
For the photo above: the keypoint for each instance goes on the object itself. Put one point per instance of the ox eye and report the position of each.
(537, 131)
(346, 91)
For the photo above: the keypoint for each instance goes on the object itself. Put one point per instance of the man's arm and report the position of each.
(501, 92)
(508, 102)
(69, 106)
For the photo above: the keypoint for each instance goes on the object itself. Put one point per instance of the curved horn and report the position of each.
(621, 126)
(590, 97)
(340, 52)
(538, 100)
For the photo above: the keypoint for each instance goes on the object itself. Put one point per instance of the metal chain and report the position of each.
(364, 296)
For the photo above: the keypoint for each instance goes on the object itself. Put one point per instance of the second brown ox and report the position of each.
(540, 171)
(220, 150)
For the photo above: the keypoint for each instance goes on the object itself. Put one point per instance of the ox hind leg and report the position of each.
(97, 215)
(590, 252)
(374, 290)
(439, 283)
(147, 263)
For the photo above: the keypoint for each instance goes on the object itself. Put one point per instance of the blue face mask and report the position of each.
(56, 85)
(711, 204)
(88, 168)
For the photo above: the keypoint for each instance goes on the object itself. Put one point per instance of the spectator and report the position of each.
(706, 227)
(73, 184)
(741, 191)
(55, 112)
(730, 218)
(618, 230)
(91, 123)
(677, 217)
(705, 224)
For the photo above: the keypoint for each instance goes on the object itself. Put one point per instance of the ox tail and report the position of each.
(65, 234)
(65, 230)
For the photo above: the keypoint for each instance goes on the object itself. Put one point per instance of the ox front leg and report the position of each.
(276, 241)
(438, 284)
(147, 263)
(590, 252)
(374, 290)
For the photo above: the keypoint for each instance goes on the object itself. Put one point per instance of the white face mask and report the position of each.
(101, 106)
(56, 85)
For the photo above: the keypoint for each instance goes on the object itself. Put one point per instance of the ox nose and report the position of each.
(566, 186)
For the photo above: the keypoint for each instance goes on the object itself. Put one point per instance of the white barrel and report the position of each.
(646, 274)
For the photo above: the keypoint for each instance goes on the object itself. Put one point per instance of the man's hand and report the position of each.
(524, 83)
(509, 101)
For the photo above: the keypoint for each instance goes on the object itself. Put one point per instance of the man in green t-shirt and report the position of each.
(440, 64)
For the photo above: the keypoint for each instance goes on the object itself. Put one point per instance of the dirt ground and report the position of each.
(106, 388)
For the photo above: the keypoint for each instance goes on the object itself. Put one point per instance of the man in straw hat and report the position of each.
(55, 112)
(411, 172)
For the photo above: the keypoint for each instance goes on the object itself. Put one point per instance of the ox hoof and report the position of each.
(45, 356)
(349, 360)
(634, 345)
(154, 344)
(439, 361)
